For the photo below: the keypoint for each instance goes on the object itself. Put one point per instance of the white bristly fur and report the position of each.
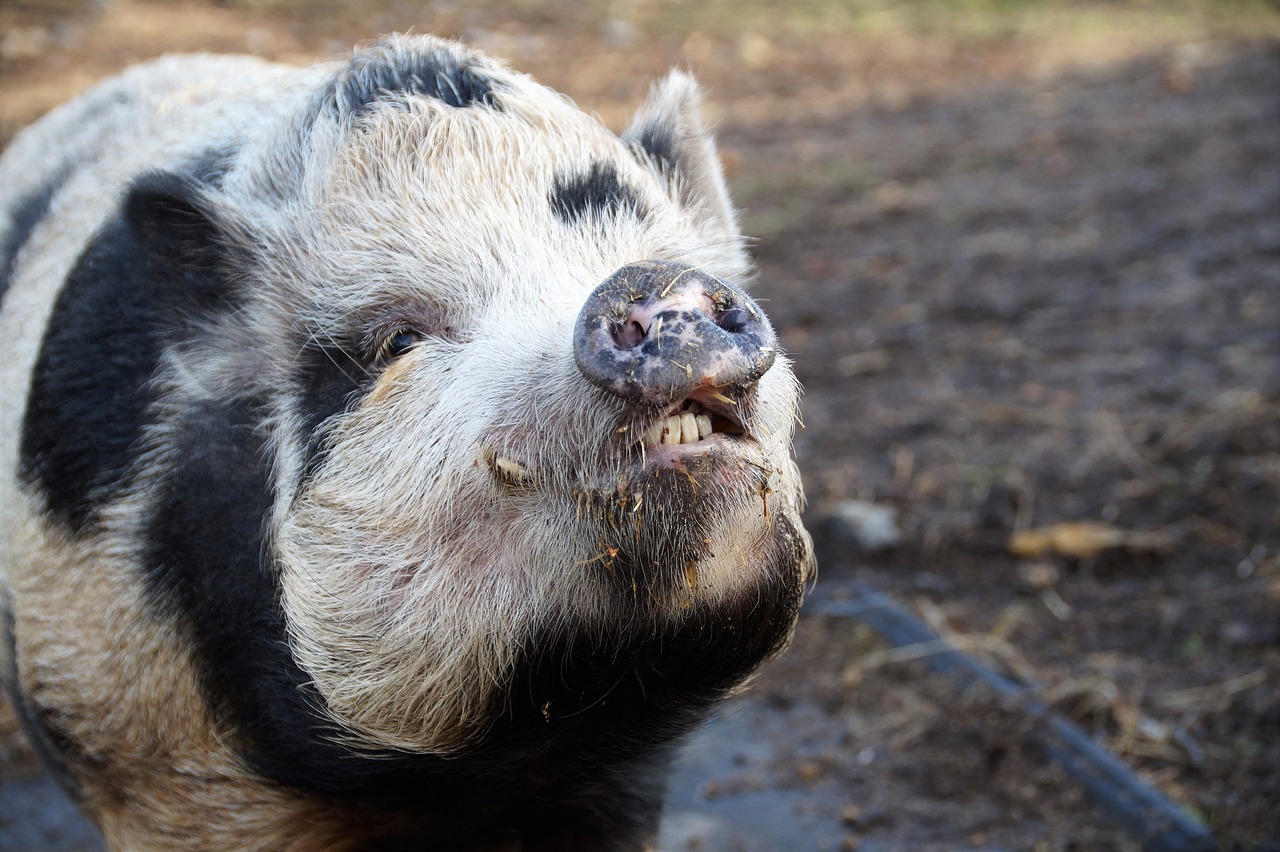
(411, 575)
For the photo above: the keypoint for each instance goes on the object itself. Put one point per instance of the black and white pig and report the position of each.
(392, 459)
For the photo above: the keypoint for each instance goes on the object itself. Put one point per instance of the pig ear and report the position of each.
(670, 133)
(168, 215)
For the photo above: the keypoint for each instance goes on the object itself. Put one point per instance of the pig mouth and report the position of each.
(692, 424)
(696, 430)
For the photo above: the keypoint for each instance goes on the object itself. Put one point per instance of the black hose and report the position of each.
(1149, 817)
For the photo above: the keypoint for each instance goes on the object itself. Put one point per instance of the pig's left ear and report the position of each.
(670, 133)
(170, 219)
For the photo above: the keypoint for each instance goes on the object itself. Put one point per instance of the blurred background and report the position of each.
(1026, 256)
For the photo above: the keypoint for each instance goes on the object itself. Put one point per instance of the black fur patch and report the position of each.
(330, 381)
(148, 271)
(386, 72)
(209, 571)
(26, 212)
(594, 194)
(185, 260)
(88, 391)
(658, 140)
(205, 554)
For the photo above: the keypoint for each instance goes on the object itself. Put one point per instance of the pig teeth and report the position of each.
(684, 428)
(688, 428)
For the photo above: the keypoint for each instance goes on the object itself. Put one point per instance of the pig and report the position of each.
(392, 456)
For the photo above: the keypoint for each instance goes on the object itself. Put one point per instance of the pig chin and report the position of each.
(683, 524)
(674, 631)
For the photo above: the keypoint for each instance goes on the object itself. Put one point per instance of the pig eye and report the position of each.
(397, 343)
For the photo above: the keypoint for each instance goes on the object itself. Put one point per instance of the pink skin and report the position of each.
(641, 314)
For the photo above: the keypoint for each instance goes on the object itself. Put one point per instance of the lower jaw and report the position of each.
(667, 558)
(688, 648)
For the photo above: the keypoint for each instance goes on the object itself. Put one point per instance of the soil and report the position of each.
(1026, 257)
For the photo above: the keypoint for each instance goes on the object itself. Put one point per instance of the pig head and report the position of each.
(395, 455)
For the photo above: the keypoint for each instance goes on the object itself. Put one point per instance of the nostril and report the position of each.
(627, 335)
(734, 320)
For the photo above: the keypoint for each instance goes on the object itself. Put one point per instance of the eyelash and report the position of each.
(398, 342)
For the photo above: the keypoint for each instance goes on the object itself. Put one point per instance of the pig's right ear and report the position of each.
(670, 133)
(170, 218)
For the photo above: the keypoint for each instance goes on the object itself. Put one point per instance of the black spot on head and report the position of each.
(594, 194)
(390, 71)
(25, 214)
(148, 276)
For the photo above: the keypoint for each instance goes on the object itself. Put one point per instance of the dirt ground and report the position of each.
(1026, 256)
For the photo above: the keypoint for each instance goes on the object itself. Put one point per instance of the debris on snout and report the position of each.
(511, 468)
(506, 469)
(1083, 539)
(870, 526)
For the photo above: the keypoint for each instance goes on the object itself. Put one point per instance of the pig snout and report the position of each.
(655, 331)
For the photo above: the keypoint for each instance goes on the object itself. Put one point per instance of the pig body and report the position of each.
(391, 457)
